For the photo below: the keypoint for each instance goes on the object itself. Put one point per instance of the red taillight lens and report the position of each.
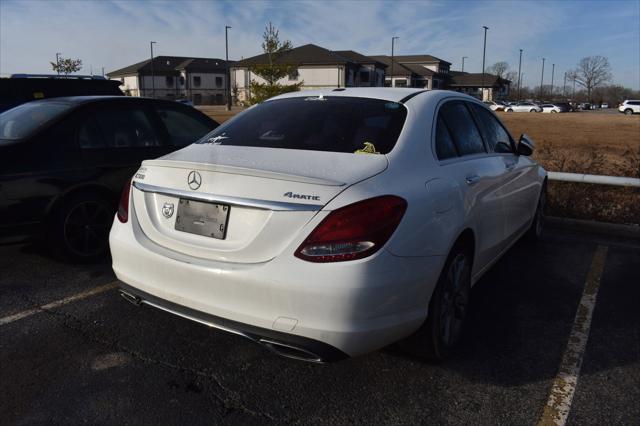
(354, 231)
(123, 207)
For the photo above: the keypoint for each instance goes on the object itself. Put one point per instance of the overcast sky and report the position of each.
(114, 34)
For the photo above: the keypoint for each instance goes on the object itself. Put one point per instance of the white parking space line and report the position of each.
(564, 386)
(57, 303)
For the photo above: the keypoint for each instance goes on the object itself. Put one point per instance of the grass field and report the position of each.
(583, 142)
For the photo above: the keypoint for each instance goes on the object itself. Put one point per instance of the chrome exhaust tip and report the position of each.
(290, 351)
(135, 300)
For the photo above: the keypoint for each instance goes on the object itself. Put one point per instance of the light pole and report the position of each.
(153, 82)
(484, 51)
(542, 78)
(564, 86)
(553, 70)
(226, 64)
(393, 40)
(463, 58)
(58, 62)
(519, 75)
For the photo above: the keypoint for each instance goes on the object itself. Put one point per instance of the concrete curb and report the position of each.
(611, 229)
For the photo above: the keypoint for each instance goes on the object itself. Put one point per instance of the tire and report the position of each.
(440, 333)
(80, 228)
(533, 110)
(554, 111)
(628, 111)
(537, 224)
(509, 110)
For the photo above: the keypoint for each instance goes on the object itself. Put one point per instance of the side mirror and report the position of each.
(525, 146)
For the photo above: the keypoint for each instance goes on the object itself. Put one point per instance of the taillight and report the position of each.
(354, 231)
(123, 207)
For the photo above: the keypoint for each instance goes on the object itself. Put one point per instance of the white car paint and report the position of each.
(252, 277)
(523, 107)
(630, 107)
(550, 108)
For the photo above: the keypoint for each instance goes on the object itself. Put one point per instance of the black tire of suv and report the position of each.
(429, 342)
(79, 228)
(628, 111)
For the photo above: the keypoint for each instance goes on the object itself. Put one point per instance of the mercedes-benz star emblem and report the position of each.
(194, 180)
(167, 210)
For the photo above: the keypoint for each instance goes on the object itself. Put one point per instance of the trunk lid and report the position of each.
(270, 195)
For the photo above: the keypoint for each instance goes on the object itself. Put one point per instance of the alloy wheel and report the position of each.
(455, 300)
(86, 228)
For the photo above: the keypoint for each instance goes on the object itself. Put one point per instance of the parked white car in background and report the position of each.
(523, 107)
(496, 105)
(550, 108)
(629, 107)
(327, 224)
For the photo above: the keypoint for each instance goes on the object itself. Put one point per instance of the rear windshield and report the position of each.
(21, 121)
(337, 124)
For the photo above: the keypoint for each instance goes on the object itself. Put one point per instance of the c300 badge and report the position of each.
(167, 210)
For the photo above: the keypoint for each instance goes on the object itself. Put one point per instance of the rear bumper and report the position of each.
(284, 344)
(330, 310)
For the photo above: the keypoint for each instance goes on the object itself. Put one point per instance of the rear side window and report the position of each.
(444, 144)
(21, 121)
(496, 137)
(127, 128)
(462, 128)
(336, 124)
(183, 129)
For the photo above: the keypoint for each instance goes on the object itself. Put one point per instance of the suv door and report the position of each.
(463, 158)
(520, 185)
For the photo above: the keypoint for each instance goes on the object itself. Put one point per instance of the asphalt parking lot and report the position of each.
(95, 358)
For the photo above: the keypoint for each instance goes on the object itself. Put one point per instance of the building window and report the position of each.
(181, 80)
(364, 76)
(401, 83)
(197, 81)
(169, 81)
(218, 81)
(293, 74)
(197, 98)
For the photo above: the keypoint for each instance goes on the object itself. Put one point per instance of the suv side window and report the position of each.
(89, 134)
(127, 128)
(183, 128)
(496, 137)
(462, 128)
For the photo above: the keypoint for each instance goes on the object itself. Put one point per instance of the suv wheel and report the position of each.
(80, 229)
(628, 111)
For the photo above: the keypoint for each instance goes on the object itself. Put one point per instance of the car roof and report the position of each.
(77, 100)
(403, 95)
(394, 94)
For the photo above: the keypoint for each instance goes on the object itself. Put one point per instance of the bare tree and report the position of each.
(67, 66)
(499, 69)
(592, 72)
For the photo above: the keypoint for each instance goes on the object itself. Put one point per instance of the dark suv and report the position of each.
(64, 161)
(21, 88)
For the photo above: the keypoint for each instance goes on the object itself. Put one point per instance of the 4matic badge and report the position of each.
(302, 196)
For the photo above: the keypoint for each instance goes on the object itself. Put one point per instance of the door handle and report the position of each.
(472, 179)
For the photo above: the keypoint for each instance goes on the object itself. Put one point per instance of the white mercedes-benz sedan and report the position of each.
(328, 224)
